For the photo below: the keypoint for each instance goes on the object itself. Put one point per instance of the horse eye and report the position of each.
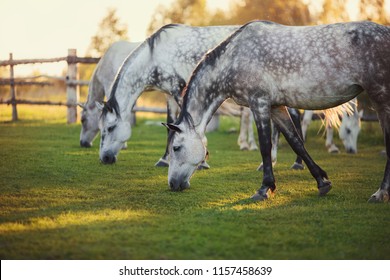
(176, 148)
(348, 131)
(111, 128)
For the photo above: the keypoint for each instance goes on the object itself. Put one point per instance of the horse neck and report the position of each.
(200, 108)
(132, 79)
(95, 91)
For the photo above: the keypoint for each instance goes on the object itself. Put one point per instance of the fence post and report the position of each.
(72, 90)
(12, 89)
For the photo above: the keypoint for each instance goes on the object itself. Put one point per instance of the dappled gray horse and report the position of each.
(267, 66)
(163, 62)
(99, 88)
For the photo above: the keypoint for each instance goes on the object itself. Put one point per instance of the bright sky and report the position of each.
(48, 28)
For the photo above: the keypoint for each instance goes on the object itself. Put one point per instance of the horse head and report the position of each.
(349, 130)
(89, 124)
(187, 151)
(115, 131)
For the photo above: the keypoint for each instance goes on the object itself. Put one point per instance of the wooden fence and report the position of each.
(71, 81)
(72, 85)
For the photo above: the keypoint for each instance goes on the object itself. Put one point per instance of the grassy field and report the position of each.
(58, 202)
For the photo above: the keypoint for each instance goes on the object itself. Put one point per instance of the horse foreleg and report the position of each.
(282, 119)
(172, 111)
(251, 135)
(274, 151)
(244, 127)
(332, 148)
(261, 112)
(296, 119)
(204, 164)
(306, 120)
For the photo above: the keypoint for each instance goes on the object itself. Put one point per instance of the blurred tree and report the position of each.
(334, 11)
(339, 11)
(373, 10)
(289, 12)
(191, 12)
(110, 30)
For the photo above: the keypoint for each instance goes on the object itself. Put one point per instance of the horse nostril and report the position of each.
(85, 144)
(108, 159)
(174, 186)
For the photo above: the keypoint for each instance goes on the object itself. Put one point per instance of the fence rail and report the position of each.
(70, 80)
(72, 85)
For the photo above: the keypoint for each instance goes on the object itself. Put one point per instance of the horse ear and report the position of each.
(82, 105)
(172, 127)
(99, 105)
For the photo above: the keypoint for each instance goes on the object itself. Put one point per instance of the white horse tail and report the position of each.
(333, 116)
(230, 109)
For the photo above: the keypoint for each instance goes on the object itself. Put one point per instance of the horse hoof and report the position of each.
(297, 166)
(323, 190)
(203, 165)
(259, 197)
(260, 168)
(162, 163)
(253, 148)
(333, 149)
(244, 148)
(379, 196)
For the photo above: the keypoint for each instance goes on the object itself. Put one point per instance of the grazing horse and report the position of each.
(99, 87)
(267, 66)
(348, 131)
(164, 62)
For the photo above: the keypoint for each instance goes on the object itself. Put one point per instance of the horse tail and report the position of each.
(229, 109)
(332, 117)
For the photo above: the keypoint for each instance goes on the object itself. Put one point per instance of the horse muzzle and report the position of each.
(85, 144)
(108, 158)
(178, 185)
(350, 150)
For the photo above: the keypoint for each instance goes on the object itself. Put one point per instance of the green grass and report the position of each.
(58, 202)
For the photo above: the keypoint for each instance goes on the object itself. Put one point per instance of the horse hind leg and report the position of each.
(383, 193)
(282, 119)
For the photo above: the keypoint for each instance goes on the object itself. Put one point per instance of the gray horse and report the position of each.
(267, 66)
(163, 62)
(99, 88)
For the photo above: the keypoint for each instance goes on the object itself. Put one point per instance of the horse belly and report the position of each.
(318, 98)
